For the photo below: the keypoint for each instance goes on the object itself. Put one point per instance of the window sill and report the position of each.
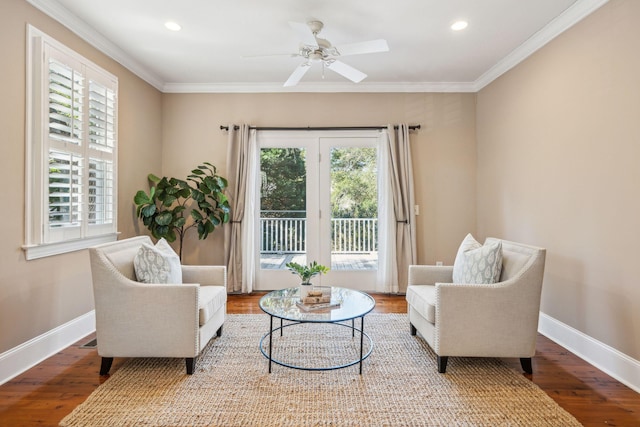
(51, 249)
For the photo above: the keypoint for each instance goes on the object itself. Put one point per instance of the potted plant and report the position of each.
(164, 209)
(306, 273)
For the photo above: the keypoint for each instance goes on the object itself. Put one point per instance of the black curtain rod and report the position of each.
(236, 127)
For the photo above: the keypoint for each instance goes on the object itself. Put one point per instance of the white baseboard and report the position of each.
(609, 360)
(25, 356)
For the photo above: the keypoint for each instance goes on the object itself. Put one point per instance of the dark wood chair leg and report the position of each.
(442, 363)
(191, 365)
(525, 362)
(219, 331)
(413, 329)
(105, 366)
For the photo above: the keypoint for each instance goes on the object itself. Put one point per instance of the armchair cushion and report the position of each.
(157, 264)
(210, 300)
(423, 298)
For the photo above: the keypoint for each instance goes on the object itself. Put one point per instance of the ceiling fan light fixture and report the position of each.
(172, 26)
(459, 25)
(316, 56)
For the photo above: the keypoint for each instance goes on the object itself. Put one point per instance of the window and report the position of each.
(71, 150)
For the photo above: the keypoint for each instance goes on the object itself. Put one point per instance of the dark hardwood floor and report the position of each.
(43, 395)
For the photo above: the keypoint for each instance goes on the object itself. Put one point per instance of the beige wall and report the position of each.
(443, 150)
(39, 295)
(558, 166)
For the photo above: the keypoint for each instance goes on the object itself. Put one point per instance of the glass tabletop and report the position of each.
(283, 304)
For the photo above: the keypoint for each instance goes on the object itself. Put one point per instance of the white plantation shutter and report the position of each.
(65, 101)
(66, 152)
(65, 189)
(100, 192)
(73, 148)
(101, 117)
(102, 142)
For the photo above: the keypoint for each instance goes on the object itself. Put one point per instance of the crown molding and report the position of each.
(56, 11)
(317, 87)
(574, 14)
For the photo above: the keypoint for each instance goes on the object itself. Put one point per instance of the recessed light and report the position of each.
(172, 26)
(459, 25)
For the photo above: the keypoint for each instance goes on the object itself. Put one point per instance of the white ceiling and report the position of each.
(207, 55)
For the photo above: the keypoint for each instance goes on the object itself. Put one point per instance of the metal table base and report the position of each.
(363, 356)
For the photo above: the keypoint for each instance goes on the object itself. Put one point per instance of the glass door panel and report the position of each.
(287, 226)
(354, 208)
(283, 207)
(349, 196)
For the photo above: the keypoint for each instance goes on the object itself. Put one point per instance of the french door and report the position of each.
(318, 198)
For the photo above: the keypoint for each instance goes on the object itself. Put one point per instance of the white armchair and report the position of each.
(136, 319)
(473, 320)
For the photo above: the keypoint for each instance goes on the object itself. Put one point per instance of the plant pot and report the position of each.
(304, 289)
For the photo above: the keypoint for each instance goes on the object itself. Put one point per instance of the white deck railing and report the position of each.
(348, 235)
(283, 235)
(354, 235)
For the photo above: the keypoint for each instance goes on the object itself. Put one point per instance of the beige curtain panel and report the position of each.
(237, 172)
(401, 181)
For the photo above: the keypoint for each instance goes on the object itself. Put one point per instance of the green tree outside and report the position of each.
(354, 183)
(283, 182)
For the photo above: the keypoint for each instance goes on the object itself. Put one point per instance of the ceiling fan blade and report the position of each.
(304, 32)
(370, 46)
(271, 55)
(347, 71)
(297, 74)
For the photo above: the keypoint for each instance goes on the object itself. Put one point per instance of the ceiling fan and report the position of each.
(317, 50)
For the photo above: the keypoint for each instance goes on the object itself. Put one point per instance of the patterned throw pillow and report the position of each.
(482, 265)
(158, 264)
(467, 244)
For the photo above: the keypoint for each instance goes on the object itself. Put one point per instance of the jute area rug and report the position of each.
(400, 385)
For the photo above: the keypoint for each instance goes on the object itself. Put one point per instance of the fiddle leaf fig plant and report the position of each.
(164, 208)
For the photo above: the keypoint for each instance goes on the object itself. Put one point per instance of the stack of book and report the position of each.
(318, 299)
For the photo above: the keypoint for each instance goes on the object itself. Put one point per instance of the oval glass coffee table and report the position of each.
(282, 304)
